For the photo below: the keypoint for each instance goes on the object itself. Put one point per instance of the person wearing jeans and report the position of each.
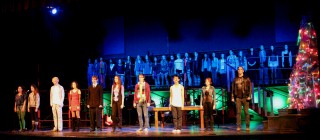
(142, 101)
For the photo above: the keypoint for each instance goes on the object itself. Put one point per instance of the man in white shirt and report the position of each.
(56, 102)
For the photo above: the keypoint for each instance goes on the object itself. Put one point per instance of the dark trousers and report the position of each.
(239, 103)
(95, 117)
(177, 117)
(116, 114)
(33, 114)
(208, 111)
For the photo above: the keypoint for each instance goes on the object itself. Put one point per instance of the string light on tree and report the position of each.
(304, 78)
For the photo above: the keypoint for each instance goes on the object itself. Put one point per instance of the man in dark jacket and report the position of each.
(241, 93)
(94, 103)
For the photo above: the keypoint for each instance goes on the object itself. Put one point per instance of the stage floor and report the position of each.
(224, 132)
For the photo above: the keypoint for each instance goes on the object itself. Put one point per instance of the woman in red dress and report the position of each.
(74, 105)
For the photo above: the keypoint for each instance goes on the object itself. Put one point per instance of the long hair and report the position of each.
(36, 90)
(77, 85)
(119, 82)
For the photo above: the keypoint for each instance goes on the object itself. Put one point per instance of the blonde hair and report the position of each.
(55, 78)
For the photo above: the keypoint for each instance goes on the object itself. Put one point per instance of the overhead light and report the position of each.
(54, 10)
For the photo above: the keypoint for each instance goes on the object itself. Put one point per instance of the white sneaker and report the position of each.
(146, 130)
(178, 131)
(174, 131)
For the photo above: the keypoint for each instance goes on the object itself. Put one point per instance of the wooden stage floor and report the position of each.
(224, 132)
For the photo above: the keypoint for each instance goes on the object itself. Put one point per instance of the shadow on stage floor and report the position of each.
(224, 132)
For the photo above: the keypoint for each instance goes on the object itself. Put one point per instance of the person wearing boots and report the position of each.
(117, 102)
(33, 106)
(241, 93)
(74, 105)
(208, 103)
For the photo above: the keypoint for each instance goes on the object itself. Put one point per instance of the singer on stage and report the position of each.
(241, 92)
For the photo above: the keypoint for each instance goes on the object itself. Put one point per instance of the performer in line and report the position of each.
(208, 102)
(20, 107)
(56, 101)
(117, 103)
(176, 103)
(142, 101)
(33, 106)
(94, 103)
(74, 105)
(241, 93)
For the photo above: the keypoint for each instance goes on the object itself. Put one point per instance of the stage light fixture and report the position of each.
(53, 10)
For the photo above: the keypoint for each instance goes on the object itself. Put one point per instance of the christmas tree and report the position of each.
(304, 78)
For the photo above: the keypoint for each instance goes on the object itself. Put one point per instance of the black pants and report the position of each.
(95, 117)
(33, 114)
(116, 114)
(208, 110)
